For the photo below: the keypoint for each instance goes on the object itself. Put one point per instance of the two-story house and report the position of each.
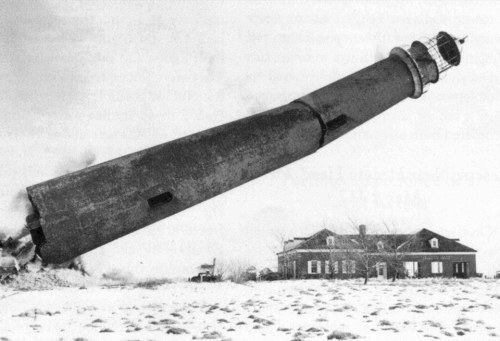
(327, 254)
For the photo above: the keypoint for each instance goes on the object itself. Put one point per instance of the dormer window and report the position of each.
(330, 240)
(380, 246)
(434, 243)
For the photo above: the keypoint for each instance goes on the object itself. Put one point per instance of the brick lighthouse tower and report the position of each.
(83, 210)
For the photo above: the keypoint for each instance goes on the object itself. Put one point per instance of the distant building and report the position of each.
(264, 272)
(251, 273)
(330, 255)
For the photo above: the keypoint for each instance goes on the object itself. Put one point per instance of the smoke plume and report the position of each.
(22, 206)
(70, 165)
(21, 203)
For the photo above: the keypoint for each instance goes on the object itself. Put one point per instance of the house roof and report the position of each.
(422, 244)
(292, 244)
(265, 271)
(418, 242)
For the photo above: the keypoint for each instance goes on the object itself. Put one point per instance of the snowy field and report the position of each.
(69, 307)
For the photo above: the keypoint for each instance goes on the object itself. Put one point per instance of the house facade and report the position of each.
(330, 255)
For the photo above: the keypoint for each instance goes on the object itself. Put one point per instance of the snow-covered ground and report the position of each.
(65, 306)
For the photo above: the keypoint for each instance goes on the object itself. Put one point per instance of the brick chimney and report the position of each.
(362, 231)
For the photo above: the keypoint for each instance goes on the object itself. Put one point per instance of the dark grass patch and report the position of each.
(431, 336)
(462, 320)
(263, 321)
(340, 335)
(421, 306)
(384, 323)
(433, 324)
(210, 336)
(106, 330)
(177, 331)
(151, 284)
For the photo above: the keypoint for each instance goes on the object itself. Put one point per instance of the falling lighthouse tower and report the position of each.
(83, 210)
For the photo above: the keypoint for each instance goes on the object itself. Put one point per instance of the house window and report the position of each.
(314, 267)
(461, 267)
(434, 243)
(380, 246)
(330, 240)
(348, 266)
(411, 269)
(437, 267)
(334, 266)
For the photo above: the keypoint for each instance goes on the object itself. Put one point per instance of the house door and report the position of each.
(381, 270)
(460, 269)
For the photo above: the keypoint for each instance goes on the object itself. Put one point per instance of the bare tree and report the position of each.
(366, 261)
(284, 257)
(341, 255)
(394, 248)
(348, 256)
(332, 256)
(237, 271)
(234, 270)
(221, 269)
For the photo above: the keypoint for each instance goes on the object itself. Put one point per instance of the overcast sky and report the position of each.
(111, 78)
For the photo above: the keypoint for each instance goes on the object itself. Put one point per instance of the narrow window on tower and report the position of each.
(160, 199)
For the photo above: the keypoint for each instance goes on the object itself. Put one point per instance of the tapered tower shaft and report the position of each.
(81, 211)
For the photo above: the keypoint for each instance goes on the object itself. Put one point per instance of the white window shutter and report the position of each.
(327, 267)
(353, 266)
(309, 266)
(318, 266)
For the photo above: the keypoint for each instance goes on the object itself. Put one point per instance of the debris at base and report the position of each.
(22, 269)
